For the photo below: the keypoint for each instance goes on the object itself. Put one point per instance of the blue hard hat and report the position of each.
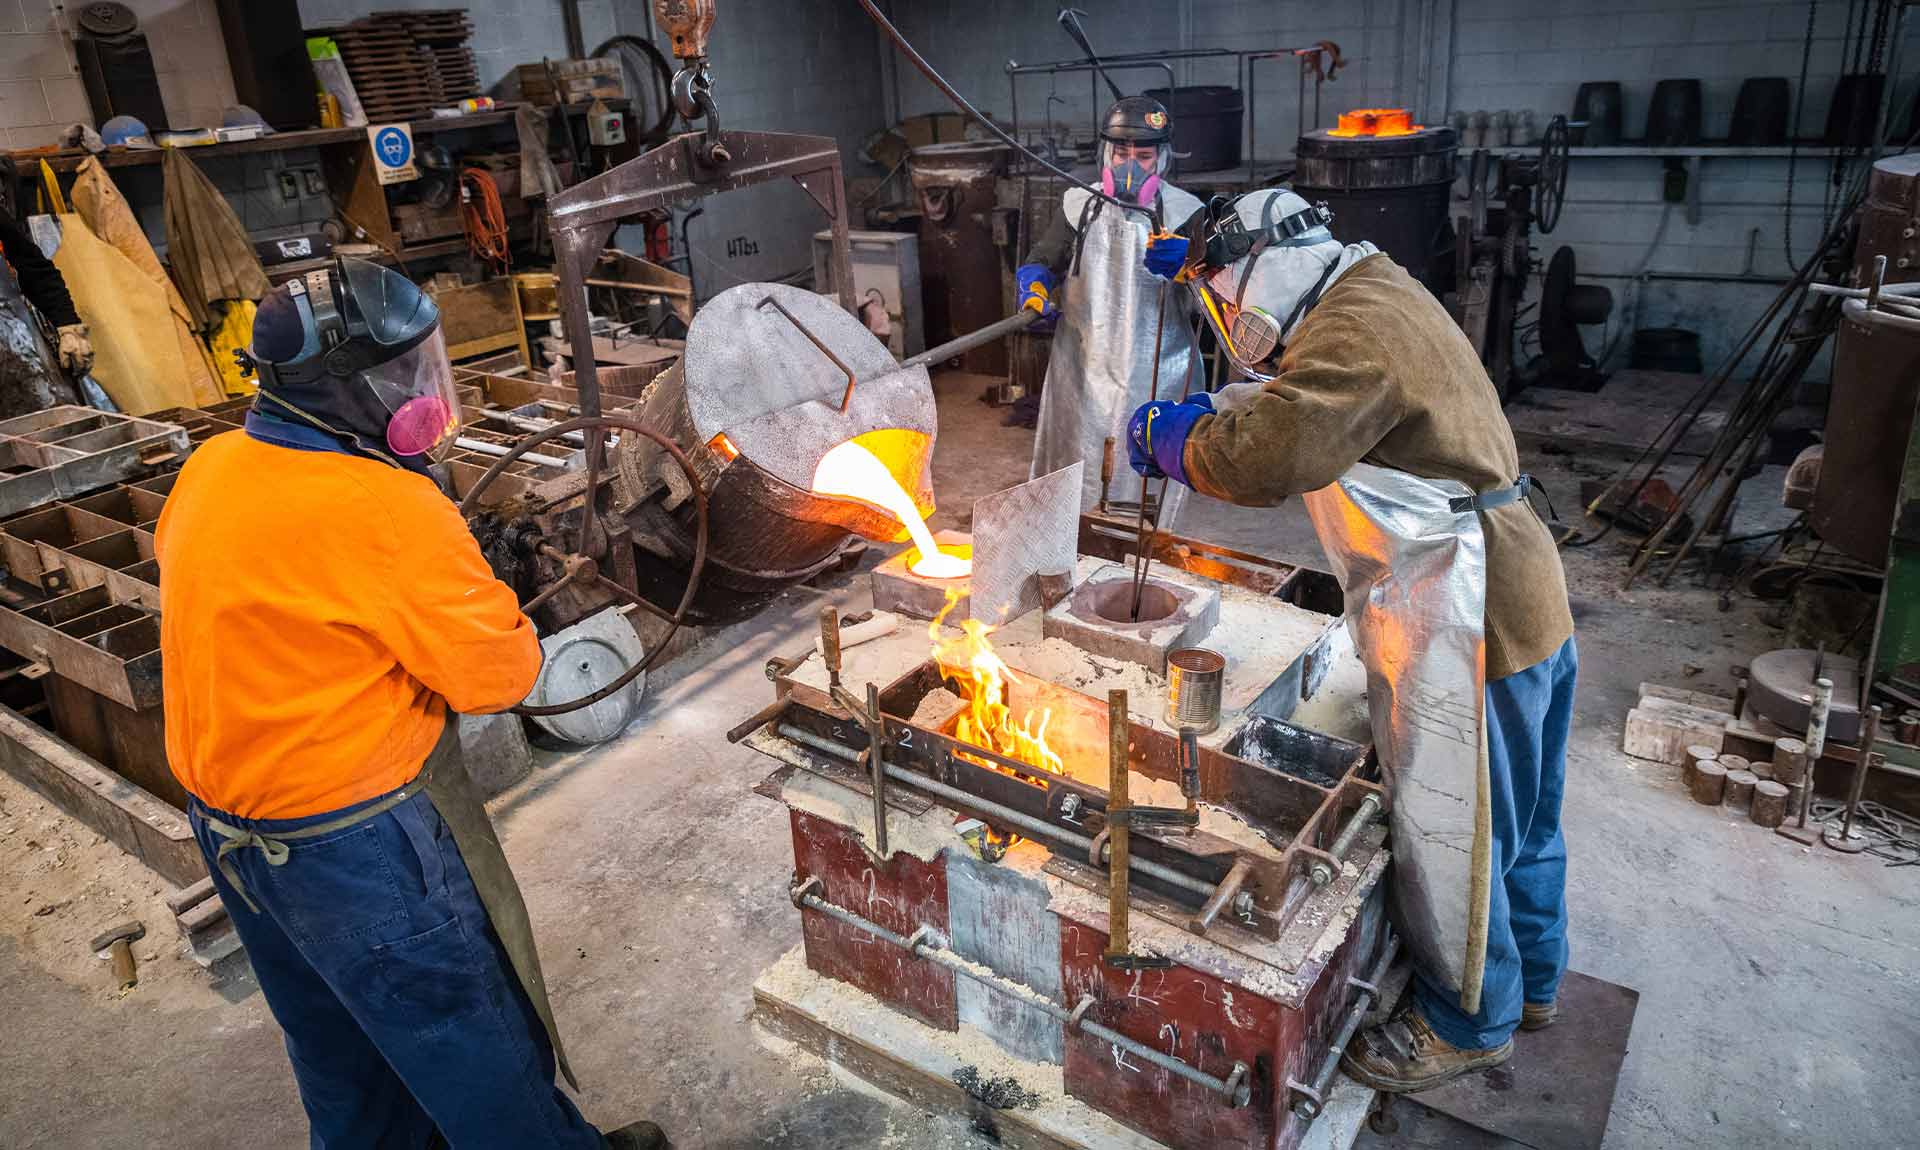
(125, 131)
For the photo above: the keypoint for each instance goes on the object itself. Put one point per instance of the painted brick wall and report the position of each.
(40, 90)
(1441, 55)
(807, 66)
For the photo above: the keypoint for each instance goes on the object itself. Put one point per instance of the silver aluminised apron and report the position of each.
(1102, 363)
(1415, 576)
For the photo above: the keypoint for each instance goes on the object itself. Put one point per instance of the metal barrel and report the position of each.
(1195, 676)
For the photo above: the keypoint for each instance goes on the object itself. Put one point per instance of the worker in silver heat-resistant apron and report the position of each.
(1360, 393)
(1090, 269)
(324, 610)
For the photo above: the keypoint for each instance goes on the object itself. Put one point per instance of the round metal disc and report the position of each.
(1851, 845)
(1780, 686)
(579, 661)
(106, 19)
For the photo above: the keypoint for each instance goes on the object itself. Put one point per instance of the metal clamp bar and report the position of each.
(1306, 1101)
(877, 766)
(959, 345)
(928, 943)
(758, 719)
(1026, 824)
(1322, 873)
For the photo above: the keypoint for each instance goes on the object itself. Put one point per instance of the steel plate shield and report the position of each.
(1415, 578)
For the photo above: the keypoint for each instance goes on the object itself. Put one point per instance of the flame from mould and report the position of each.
(982, 678)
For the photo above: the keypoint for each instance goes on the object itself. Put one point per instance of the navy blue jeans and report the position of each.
(401, 1010)
(1528, 716)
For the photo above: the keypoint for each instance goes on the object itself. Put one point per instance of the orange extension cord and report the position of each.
(486, 220)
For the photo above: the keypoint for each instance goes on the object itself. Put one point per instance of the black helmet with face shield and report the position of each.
(357, 350)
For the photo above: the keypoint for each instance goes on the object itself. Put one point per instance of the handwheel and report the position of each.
(577, 565)
(1552, 190)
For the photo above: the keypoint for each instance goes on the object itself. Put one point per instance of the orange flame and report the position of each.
(850, 471)
(982, 678)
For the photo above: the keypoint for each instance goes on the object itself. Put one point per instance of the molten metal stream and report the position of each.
(850, 471)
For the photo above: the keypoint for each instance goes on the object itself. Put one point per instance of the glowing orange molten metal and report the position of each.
(980, 676)
(1375, 122)
(850, 471)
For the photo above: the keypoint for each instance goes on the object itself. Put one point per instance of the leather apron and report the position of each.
(1101, 367)
(1411, 560)
(448, 787)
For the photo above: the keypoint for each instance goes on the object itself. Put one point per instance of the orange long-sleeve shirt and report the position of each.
(319, 613)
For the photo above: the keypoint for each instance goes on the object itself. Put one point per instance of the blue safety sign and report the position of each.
(392, 146)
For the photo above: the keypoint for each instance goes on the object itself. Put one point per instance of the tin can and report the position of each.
(1194, 679)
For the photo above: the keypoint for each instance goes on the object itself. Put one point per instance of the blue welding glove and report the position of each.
(1166, 254)
(1036, 294)
(1157, 437)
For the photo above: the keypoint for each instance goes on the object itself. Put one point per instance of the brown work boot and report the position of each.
(1403, 1055)
(1539, 1015)
(638, 1136)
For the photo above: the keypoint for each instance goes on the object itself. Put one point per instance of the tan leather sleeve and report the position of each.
(1333, 401)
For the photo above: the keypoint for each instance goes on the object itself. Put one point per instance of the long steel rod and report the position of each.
(1145, 546)
(1309, 1106)
(1235, 1088)
(959, 345)
(1020, 820)
(1140, 551)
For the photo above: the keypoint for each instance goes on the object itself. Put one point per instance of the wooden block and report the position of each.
(202, 916)
(1691, 698)
(189, 896)
(1663, 730)
(1740, 786)
(1708, 782)
(1769, 804)
(1789, 760)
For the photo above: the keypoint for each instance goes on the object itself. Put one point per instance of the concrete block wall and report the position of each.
(40, 90)
(1436, 56)
(778, 66)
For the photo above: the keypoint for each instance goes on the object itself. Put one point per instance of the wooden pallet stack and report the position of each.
(404, 64)
(446, 34)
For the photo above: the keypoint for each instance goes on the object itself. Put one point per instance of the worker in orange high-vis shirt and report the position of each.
(324, 611)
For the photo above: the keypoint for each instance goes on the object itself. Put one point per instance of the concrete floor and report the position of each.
(1780, 988)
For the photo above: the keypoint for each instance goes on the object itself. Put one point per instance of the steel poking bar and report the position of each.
(928, 943)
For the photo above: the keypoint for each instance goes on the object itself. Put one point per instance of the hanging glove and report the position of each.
(1157, 436)
(1166, 254)
(76, 354)
(1035, 285)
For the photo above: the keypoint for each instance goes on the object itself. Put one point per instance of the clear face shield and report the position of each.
(1133, 172)
(417, 390)
(416, 386)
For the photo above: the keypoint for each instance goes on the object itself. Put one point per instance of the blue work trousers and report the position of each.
(401, 1010)
(1529, 714)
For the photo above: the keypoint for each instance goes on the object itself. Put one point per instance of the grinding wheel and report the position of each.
(1780, 686)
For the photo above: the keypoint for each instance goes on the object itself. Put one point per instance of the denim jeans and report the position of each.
(403, 1018)
(1529, 714)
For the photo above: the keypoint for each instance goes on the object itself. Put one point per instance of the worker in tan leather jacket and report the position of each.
(1363, 396)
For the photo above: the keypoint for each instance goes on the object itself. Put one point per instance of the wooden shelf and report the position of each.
(70, 161)
(1702, 151)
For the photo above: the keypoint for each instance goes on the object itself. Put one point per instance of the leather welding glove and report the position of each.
(1157, 436)
(1166, 254)
(1035, 289)
(76, 353)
